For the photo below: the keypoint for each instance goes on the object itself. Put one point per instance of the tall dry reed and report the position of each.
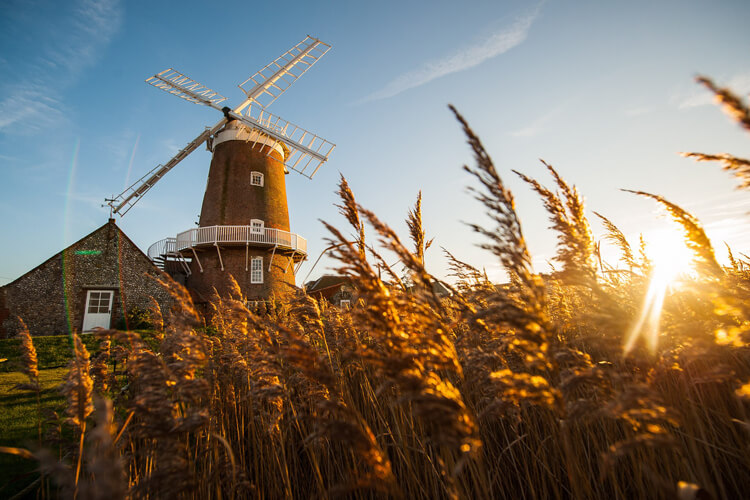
(520, 390)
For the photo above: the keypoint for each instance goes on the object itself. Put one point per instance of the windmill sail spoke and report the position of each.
(177, 84)
(305, 147)
(125, 200)
(269, 83)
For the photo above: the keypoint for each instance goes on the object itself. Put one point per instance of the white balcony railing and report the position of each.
(161, 248)
(228, 235)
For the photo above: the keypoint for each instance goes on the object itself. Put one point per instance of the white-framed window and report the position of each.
(345, 304)
(256, 178)
(256, 270)
(256, 226)
(99, 302)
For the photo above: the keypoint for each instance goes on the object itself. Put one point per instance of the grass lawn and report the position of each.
(18, 408)
(52, 351)
(18, 424)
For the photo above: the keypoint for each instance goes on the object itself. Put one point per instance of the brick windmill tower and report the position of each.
(243, 229)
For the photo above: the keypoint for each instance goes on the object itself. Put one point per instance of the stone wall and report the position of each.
(51, 298)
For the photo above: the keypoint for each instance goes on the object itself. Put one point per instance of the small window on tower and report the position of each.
(256, 226)
(256, 270)
(256, 178)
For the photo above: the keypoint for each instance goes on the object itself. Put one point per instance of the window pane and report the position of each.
(99, 302)
(104, 300)
(256, 270)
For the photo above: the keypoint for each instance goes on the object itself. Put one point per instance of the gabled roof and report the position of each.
(103, 227)
(327, 281)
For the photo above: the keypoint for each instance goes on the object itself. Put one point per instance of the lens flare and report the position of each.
(67, 218)
(670, 258)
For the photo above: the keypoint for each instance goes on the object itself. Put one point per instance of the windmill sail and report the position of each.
(175, 83)
(307, 151)
(269, 83)
(125, 200)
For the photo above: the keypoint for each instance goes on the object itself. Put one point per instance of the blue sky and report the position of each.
(601, 90)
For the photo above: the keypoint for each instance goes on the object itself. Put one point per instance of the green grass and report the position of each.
(18, 424)
(18, 408)
(53, 351)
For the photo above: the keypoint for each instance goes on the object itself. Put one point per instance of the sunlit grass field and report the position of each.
(18, 421)
(626, 379)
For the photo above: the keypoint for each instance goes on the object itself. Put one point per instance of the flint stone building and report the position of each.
(92, 283)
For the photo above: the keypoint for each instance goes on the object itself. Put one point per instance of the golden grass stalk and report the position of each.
(467, 277)
(507, 241)
(348, 209)
(29, 365)
(694, 235)
(575, 250)
(78, 385)
(615, 236)
(731, 104)
(78, 389)
(104, 465)
(155, 315)
(411, 346)
(100, 367)
(416, 230)
(522, 315)
(740, 167)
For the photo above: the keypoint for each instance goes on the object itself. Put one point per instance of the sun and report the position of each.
(670, 259)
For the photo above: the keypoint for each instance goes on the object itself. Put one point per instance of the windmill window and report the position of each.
(256, 178)
(256, 270)
(345, 304)
(256, 226)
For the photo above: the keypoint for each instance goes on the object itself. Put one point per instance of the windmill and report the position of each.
(243, 228)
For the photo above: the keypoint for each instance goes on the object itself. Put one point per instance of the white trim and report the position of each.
(243, 133)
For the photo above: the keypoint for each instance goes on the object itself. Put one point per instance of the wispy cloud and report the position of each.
(34, 96)
(698, 96)
(466, 58)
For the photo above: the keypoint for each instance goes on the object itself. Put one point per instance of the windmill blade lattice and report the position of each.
(175, 83)
(265, 86)
(307, 151)
(123, 202)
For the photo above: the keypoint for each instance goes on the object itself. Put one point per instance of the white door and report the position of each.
(98, 309)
